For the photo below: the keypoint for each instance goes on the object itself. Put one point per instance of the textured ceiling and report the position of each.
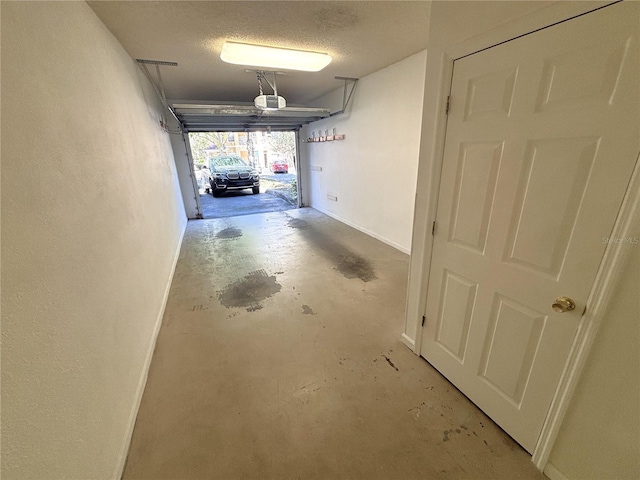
(362, 37)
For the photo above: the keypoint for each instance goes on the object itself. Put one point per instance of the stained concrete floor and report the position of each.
(279, 358)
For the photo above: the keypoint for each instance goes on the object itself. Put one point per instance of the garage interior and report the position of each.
(280, 345)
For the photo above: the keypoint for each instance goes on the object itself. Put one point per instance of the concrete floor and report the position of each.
(279, 358)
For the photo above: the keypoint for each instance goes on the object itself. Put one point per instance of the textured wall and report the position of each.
(92, 218)
(373, 171)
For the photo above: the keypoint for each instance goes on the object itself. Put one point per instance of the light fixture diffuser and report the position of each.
(273, 58)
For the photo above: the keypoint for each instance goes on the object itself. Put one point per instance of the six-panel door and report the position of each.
(542, 137)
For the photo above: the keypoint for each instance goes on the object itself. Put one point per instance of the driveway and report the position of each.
(284, 178)
(241, 202)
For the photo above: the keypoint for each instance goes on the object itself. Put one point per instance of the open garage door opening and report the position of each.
(242, 173)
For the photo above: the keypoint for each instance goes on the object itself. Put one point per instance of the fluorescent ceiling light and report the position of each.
(272, 57)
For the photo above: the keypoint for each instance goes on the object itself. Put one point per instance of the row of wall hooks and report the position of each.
(321, 136)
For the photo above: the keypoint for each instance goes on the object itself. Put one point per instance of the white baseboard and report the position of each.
(364, 230)
(409, 342)
(122, 458)
(553, 473)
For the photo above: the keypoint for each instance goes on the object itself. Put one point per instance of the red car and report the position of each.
(280, 166)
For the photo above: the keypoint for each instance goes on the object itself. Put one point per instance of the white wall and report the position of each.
(373, 171)
(92, 219)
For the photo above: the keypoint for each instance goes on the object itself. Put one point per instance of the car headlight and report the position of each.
(218, 175)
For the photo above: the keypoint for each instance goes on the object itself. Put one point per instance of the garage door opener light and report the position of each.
(272, 57)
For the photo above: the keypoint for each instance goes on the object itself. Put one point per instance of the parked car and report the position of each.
(230, 172)
(280, 166)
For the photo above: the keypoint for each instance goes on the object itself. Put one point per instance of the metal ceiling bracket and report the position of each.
(159, 86)
(262, 75)
(346, 98)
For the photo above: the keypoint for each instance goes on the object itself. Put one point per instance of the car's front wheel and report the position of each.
(255, 190)
(214, 190)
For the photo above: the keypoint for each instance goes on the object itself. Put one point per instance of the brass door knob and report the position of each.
(563, 304)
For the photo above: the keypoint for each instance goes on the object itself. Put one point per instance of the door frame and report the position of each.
(428, 190)
(192, 173)
(298, 169)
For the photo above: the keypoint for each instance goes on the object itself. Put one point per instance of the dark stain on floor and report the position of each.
(347, 262)
(307, 310)
(390, 362)
(230, 232)
(297, 223)
(354, 266)
(249, 291)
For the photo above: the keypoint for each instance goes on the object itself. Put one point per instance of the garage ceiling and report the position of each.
(361, 36)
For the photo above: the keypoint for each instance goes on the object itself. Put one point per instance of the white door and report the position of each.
(542, 136)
